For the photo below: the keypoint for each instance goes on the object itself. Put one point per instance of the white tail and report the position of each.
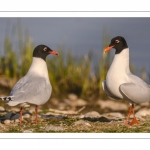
(7, 98)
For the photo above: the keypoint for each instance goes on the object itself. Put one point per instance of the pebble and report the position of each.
(114, 106)
(31, 110)
(15, 109)
(143, 112)
(92, 114)
(26, 116)
(17, 120)
(54, 128)
(137, 107)
(2, 108)
(70, 103)
(81, 122)
(7, 122)
(33, 118)
(81, 116)
(72, 97)
(81, 102)
(24, 105)
(114, 114)
(11, 121)
(39, 110)
(3, 113)
(146, 104)
(62, 106)
(54, 101)
(27, 131)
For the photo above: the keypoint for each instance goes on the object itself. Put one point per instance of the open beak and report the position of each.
(108, 49)
(53, 52)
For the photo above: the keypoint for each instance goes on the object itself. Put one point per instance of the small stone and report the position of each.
(33, 118)
(31, 110)
(81, 122)
(26, 116)
(137, 107)
(54, 128)
(72, 97)
(40, 110)
(15, 109)
(2, 108)
(113, 105)
(114, 114)
(143, 112)
(17, 120)
(11, 121)
(70, 103)
(27, 131)
(48, 113)
(54, 101)
(61, 106)
(81, 102)
(3, 113)
(2, 125)
(146, 104)
(24, 105)
(7, 122)
(81, 116)
(92, 114)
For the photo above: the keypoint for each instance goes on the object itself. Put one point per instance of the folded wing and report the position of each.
(136, 90)
(32, 90)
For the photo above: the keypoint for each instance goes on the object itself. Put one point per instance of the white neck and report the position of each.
(38, 67)
(121, 61)
(118, 72)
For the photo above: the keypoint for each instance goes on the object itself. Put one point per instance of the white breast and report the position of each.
(39, 68)
(118, 72)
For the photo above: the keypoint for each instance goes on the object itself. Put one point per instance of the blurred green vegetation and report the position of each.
(68, 73)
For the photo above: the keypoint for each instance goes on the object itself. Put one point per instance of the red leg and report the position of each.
(129, 113)
(36, 113)
(134, 121)
(21, 116)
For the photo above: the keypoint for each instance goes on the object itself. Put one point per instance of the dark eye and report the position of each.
(45, 49)
(117, 41)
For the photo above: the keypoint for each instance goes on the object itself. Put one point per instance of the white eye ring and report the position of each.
(45, 49)
(117, 41)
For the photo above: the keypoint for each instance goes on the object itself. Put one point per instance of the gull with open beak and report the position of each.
(120, 83)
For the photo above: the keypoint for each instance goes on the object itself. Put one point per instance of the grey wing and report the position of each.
(18, 86)
(137, 90)
(108, 92)
(32, 90)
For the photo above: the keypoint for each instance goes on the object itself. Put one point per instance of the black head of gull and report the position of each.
(118, 43)
(41, 51)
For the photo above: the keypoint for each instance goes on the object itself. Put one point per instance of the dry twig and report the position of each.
(68, 112)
